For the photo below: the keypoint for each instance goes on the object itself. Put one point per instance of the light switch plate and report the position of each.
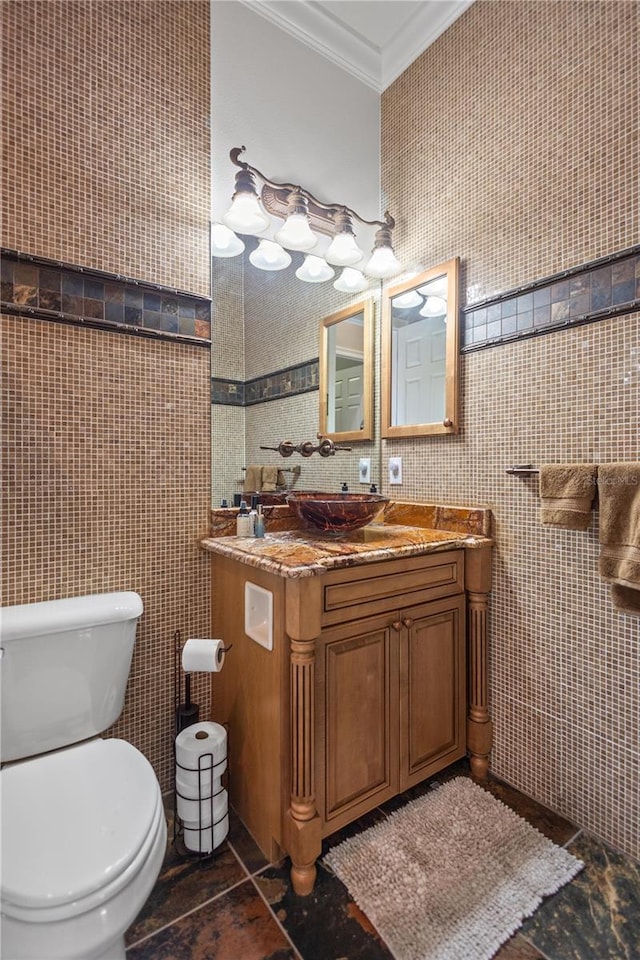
(395, 469)
(364, 470)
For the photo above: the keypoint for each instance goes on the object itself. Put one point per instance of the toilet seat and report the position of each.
(83, 821)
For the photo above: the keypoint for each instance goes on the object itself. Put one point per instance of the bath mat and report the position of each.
(452, 875)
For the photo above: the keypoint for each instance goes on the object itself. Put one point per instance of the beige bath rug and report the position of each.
(450, 876)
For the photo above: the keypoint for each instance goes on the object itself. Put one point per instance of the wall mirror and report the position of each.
(419, 354)
(346, 363)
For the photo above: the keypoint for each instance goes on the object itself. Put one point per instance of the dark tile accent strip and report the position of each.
(288, 382)
(604, 288)
(66, 293)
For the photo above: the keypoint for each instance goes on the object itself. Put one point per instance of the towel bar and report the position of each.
(523, 470)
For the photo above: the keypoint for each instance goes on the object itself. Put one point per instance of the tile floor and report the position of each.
(241, 908)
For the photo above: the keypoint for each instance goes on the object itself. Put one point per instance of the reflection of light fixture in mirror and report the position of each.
(407, 300)
(269, 256)
(343, 250)
(253, 211)
(295, 233)
(436, 288)
(224, 242)
(314, 270)
(245, 213)
(383, 263)
(433, 307)
(351, 281)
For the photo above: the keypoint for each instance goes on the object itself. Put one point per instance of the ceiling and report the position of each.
(375, 40)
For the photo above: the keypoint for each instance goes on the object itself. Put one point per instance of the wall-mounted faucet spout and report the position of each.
(326, 448)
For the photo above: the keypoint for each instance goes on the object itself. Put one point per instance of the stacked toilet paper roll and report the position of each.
(202, 802)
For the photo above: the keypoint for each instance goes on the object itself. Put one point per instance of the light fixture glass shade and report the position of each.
(296, 234)
(434, 307)
(435, 288)
(383, 264)
(343, 250)
(269, 256)
(405, 301)
(351, 281)
(314, 270)
(245, 215)
(224, 242)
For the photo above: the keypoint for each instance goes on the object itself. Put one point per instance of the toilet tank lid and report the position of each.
(72, 613)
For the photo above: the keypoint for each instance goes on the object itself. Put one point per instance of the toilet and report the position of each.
(83, 827)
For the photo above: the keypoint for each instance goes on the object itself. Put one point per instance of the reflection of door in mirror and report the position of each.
(420, 354)
(345, 374)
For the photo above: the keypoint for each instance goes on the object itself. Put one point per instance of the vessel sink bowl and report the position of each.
(336, 512)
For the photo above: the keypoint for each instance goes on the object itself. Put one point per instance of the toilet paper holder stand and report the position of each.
(186, 714)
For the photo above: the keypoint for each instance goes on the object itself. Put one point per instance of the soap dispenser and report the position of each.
(344, 488)
(244, 524)
(258, 530)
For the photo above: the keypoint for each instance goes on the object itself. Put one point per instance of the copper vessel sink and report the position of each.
(336, 512)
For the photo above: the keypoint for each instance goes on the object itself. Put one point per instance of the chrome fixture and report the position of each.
(307, 223)
(326, 448)
(523, 470)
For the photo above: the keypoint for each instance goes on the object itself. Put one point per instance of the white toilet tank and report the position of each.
(64, 667)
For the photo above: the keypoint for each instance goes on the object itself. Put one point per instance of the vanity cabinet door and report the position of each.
(432, 688)
(357, 719)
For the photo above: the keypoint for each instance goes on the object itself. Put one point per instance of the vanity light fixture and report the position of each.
(351, 281)
(314, 270)
(343, 250)
(433, 307)
(224, 242)
(406, 301)
(295, 233)
(245, 215)
(269, 255)
(307, 219)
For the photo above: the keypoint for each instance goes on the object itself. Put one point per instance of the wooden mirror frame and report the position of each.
(450, 423)
(364, 307)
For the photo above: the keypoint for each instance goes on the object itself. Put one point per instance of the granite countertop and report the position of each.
(307, 553)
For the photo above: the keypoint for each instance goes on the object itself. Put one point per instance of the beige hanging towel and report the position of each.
(619, 495)
(253, 479)
(567, 491)
(269, 478)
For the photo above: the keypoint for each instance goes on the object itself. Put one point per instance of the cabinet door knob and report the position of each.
(408, 622)
(397, 626)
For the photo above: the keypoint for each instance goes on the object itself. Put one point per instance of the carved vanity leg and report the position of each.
(479, 725)
(302, 823)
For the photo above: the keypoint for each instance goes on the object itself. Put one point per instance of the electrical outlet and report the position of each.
(364, 470)
(395, 469)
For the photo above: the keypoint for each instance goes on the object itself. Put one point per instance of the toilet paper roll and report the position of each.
(194, 744)
(204, 841)
(193, 812)
(203, 656)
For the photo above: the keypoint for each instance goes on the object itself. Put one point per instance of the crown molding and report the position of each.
(377, 68)
(326, 36)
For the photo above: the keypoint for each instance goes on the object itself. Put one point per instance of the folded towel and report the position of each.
(619, 495)
(281, 481)
(567, 491)
(269, 478)
(253, 478)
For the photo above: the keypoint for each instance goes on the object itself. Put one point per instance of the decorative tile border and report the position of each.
(288, 382)
(52, 290)
(594, 291)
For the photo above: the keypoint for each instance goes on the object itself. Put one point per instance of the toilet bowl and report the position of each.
(83, 826)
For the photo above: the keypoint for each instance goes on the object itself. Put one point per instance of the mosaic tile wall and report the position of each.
(109, 102)
(534, 171)
(106, 457)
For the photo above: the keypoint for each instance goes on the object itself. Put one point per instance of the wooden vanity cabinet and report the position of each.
(367, 691)
(390, 705)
